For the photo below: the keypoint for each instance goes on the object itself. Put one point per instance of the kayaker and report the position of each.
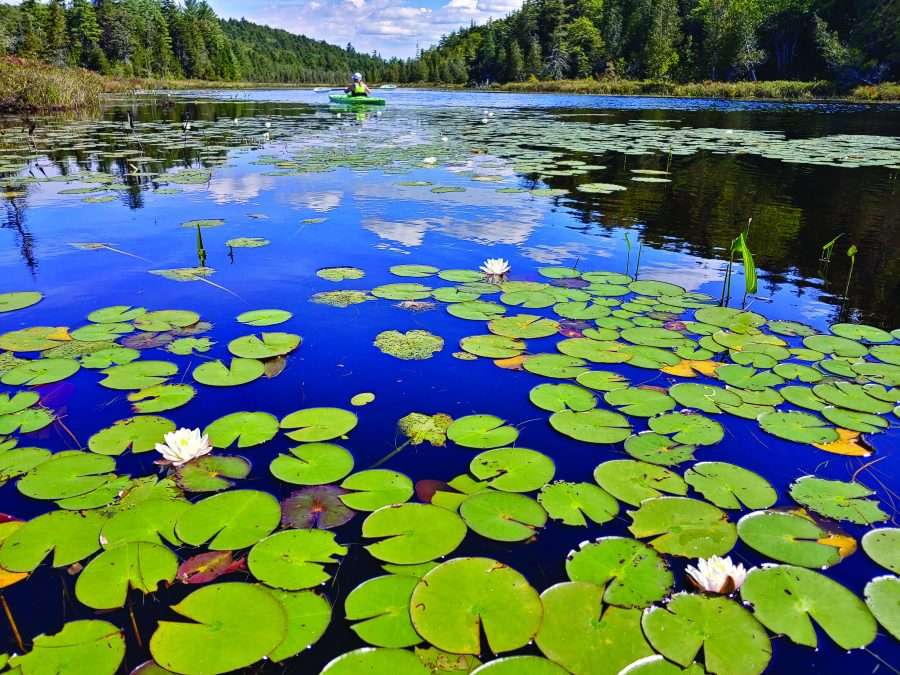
(358, 87)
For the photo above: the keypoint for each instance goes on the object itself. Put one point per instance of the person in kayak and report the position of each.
(358, 87)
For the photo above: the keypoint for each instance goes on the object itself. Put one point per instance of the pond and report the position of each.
(409, 455)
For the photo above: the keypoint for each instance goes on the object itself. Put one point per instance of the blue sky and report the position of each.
(393, 27)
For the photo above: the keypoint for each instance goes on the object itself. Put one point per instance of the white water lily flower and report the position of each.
(429, 160)
(184, 445)
(717, 575)
(495, 267)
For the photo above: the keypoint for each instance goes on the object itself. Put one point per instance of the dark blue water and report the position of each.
(683, 229)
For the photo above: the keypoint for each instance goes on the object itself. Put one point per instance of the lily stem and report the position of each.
(12, 623)
(134, 625)
(390, 454)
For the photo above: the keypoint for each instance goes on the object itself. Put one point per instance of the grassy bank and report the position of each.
(773, 89)
(34, 86)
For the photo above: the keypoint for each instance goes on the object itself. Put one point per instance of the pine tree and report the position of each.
(31, 40)
(533, 59)
(85, 33)
(515, 63)
(56, 37)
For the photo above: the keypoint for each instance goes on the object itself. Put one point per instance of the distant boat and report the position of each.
(388, 86)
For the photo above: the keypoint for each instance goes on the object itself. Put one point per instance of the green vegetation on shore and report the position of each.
(31, 85)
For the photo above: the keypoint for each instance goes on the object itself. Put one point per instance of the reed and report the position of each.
(32, 86)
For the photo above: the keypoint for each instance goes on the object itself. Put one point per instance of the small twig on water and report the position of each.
(12, 624)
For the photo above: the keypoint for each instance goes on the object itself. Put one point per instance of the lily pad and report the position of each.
(10, 302)
(233, 625)
(380, 608)
(67, 474)
(266, 346)
(554, 365)
(140, 434)
(402, 292)
(413, 533)
(798, 427)
(420, 428)
(502, 516)
(787, 600)
(413, 270)
(632, 482)
(318, 506)
(592, 426)
(883, 598)
(692, 429)
(217, 374)
(312, 464)
(40, 371)
(34, 339)
(264, 317)
(116, 314)
(459, 600)
(639, 401)
(789, 538)
(707, 398)
(138, 374)
(98, 645)
(731, 640)
(414, 345)
(838, 499)
(374, 488)
(481, 431)
(69, 535)
(165, 320)
(513, 469)
(631, 573)
(211, 473)
(161, 397)
(523, 326)
(187, 346)
(586, 637)
(245, 428)
(374, 661)
(730, 487)
(658, 449)
(832, 344)
(318, 424)
(683, 527)
(576, 503)
(104, 583)
(492, 346)
(476, 310)
(294, 559)
(230, 520)
(883, 546)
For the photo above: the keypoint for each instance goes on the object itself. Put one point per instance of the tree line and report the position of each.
(850, 42)
(165, 39)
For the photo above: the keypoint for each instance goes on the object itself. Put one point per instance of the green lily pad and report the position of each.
(266, 346)
(17, 402)
(101, 332)
(730, 638)
(476, 310)
(10, 302)
(217, 374)
(374, 488)
(294, 560)
(380, 608)
(25, 421)
(264, 317)
(787, 599)
(97, 645)
(447, 294)
(161, 397)
(312, 464)
(703, 397)
(166, 320)
(461, 599)
(582, 635)
(402, 292)
(318, 424)
(592, 426)
(745, 377)
(413, 533)
(576, 503)
(209, 222)
(837, 499)
(886, 353)
(420, 428)
(691, 429)
(684, 527)
(730, 487)
(34, 339)
(245, 428)
(595, 351)
(513, 469)
(832, 344)
(40, 371)
(233, 625)
(211, 473)
(631, 573)
(104, 582)
(855, 421)
(492, 346)
(639, 401)
(106, 358)
(19, 461)
(374, 661)
(789, 538)
(460, 276)
(247, 242)
(413, 270)
(414, 345)
(69, 535)
(852, 397)
(798, 427)
(658, 449)
(522, 326)
(230, 520)
(481, 431)
(308, 615)
(528, 299)
(554, 365)
(502, 516)
(140, 434)
(883, 599)
(797, 371)
(883, 546)
(67, 474)
(138, 374)
(189, 345)
(602, 380)
(632, 482)
(584, 311)
(116, 314)
(519, 665)
(733, 319)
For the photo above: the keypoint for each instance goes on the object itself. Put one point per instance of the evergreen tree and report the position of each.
(31, 40)
(84, 33)
(56, 38)
(534, 61)
(515, 63)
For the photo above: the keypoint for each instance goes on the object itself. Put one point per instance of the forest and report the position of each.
(845, 43)
(848, 42)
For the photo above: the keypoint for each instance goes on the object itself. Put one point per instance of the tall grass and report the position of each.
(771, 89)
(34, 86)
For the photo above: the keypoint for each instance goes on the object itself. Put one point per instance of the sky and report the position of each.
(392, 27)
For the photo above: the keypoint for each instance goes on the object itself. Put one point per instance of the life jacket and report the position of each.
(359, 89)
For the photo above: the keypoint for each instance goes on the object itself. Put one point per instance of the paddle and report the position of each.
(324, 89)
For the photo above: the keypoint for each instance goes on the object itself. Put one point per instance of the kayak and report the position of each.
(356, 100)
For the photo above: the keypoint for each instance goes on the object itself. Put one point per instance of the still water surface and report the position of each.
(798, 170)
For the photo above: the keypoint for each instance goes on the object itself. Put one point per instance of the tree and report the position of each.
(31, 39)
(585, 44)
(85, 34)
(56, 37)
(660, 53)
(534, 62)
(515, 63)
